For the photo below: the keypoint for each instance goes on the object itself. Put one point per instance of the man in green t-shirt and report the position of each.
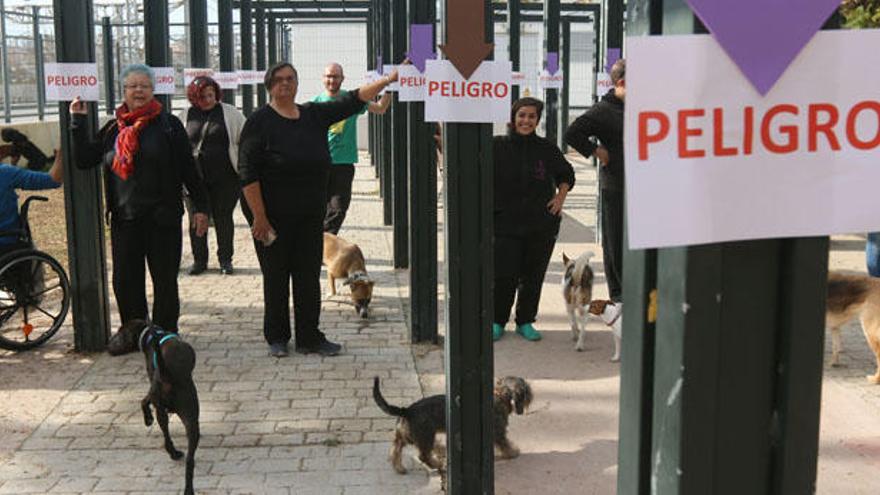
(342, 141)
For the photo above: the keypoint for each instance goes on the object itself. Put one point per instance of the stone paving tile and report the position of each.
(303, 424)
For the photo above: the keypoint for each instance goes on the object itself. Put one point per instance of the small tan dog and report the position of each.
(344, 259)
(851, 295)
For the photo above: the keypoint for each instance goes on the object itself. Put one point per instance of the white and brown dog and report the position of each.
(577, 291)
(611, 314)
(345, 260)
(851, 295)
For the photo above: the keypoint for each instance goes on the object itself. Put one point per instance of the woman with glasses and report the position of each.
(214, 128)
(148, 159)
(284, 165)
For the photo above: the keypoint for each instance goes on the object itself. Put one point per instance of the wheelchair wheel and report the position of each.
(34, 299)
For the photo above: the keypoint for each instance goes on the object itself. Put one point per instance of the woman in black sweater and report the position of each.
(284, 166)
(532, 179)
(149, 160)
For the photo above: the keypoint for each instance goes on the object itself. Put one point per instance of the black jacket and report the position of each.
(604, 121)
(528, 170)
(162, 166)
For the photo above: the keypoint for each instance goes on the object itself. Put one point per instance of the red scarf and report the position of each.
(130, 124)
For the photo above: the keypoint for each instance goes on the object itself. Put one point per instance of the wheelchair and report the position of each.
(34, 290)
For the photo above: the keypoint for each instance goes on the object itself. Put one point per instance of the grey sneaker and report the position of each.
(324, 348)
(278, 350)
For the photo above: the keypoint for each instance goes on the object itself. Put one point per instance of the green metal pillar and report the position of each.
(513, 41)
(198, 33)
(422, 206)
(371, 52)
(247, 53)
(551, 46)
(109, 70)
(399, 127)
(272, 37)
(614, 28)
(4, 65)
(565, 97)
(721, 395)
(469, 182)
(227, 44)
(260, 28)
(38, 63)
(74, 31)
(156, 34)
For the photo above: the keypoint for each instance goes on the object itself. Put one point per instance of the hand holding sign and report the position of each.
(77, 106)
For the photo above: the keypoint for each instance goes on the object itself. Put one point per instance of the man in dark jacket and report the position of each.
(604, 121)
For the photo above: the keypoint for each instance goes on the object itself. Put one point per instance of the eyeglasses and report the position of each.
(138, 86)
(280, 79)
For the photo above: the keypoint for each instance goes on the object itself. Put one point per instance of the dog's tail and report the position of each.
(384, 406)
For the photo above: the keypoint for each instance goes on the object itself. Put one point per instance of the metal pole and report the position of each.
(109, 73)
(551, 47)
(399, 128)
(227, 44)
(158, 52)
(198, 33)
(566, 77)
(38, 64)
(272, 36)
(371, 51)
(513, 40)
(469, 302)
(422, 206)
(260, 20)
(74, 31)
(387, 179)
(247, 54)
(4, 52)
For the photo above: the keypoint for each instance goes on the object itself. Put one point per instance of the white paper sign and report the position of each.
(191, 73)
(164, 80)
(226, 80)
(251, 76)
(517, 78)
(412, 83)
(484, 98)
(64, 82)
(709, 160)
(373, 76)
(550, 81)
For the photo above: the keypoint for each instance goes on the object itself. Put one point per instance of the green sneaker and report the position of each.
(497, 331)
(528, 332)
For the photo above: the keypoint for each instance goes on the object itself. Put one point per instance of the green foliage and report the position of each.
(861, 13)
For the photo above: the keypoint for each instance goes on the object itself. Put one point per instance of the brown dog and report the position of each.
(344, 259)
(851, 295)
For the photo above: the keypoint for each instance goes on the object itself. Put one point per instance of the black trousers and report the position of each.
(292, 261)
(222, 198)
(520, 265)
(132, 242)
(338, 196)
(612, 241)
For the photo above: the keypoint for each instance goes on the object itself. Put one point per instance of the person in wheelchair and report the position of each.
(13, 178)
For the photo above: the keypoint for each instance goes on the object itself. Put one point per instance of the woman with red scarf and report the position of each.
(149, 160)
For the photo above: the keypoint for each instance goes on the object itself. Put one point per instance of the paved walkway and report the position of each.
(71, 423)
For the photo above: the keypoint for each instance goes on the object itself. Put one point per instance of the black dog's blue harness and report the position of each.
(149, 334)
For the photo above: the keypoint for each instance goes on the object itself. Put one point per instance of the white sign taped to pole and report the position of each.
(64, 82)
(247, 76)
(387, 69)
(165, 78)
(191, 73)
(547, 80)
(411, 83)
(484, 98)
(226, 80)
(708, 159)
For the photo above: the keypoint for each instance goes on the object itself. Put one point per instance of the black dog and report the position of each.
(423, 419)
(22, 146)
(170, 363)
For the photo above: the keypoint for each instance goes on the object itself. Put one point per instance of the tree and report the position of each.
(861, 13)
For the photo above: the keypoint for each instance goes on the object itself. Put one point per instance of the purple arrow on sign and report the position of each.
(379, 64)
(763, 36)
(611, 56)
(552, 62)
(421, 44)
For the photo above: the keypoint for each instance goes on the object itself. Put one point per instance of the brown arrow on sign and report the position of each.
(466, 45)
